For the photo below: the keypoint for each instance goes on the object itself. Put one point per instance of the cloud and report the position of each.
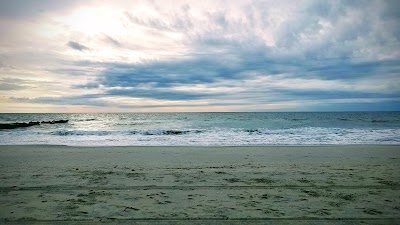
(383, 105)
(11, 87)
(158, 94)
(241, 53)
(12, 84)
(90, 100)
(290, 103)
(28, 9)
(77, 46)
(111, 41)
(251, 70)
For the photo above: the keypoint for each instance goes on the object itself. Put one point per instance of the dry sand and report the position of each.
(209, 185)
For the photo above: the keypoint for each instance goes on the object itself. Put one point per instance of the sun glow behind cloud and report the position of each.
(199, 56)
(94, 21)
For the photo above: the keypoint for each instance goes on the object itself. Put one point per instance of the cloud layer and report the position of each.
(208, 55)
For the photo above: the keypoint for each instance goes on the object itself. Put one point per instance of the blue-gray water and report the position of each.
(204, 129)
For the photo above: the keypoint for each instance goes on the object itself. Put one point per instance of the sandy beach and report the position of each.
(357, 184)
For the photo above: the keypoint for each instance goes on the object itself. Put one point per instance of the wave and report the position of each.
(91, 119)
(298, 119)
(168, 132)
(206, 137)
(138, 123)
(129, 132)
(79, 133)
(380, 121)
(253, 131)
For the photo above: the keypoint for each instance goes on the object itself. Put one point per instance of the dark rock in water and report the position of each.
(55, 121)
(21, 124)
(49, 122)
(6, 126)
(60, 121)
(32, 123)
(14, 125)
(173, 132)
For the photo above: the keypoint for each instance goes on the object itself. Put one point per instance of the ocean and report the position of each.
(205, 129)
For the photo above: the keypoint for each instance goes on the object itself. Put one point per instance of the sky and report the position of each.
(208, 55)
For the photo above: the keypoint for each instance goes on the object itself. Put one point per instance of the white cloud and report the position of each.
(270, 46)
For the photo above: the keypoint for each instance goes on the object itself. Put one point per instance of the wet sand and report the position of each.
(204, 185)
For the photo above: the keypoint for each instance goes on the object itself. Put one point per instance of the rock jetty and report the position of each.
(19, 125)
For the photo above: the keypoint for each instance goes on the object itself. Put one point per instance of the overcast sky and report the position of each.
(243, 55)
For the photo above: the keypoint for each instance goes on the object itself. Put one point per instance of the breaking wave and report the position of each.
(206, 129)
(209, 137)
(129, 132)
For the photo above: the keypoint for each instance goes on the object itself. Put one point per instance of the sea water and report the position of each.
(206, 129)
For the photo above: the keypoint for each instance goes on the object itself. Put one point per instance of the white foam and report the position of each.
(214, 137)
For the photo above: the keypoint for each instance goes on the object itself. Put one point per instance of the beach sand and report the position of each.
(357, 184)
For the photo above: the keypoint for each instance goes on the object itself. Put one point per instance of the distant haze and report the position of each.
(209, 55)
